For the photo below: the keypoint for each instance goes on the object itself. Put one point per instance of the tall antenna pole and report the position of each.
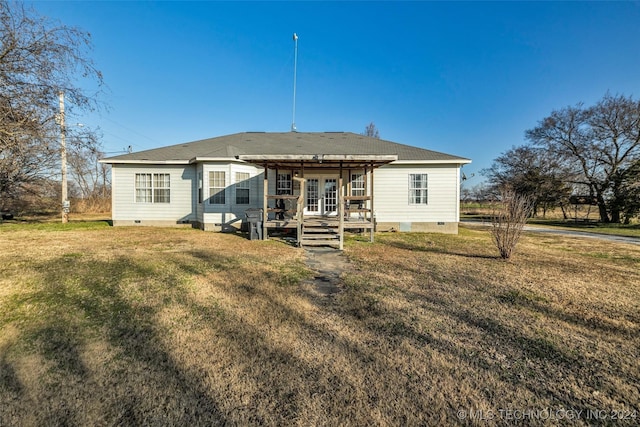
(295, 67)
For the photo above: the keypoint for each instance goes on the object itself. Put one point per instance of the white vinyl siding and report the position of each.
(392, 196)
(132, 178)
(390, 185)
(236, 189)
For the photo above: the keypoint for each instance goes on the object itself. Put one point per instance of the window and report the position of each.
(242, 188)
(199, 187)
(418, 189)
(283, 183)
(161, 191)
(153, 188)
(357, 184)
(217, 185)
(143, 188)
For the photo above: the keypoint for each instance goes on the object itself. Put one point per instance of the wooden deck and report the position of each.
(327, 221)
(286, 212)
(322, 230)
(331, 221)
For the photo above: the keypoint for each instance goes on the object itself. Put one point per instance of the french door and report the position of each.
(322, 196)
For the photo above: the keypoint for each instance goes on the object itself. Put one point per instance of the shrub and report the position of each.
(508, 220)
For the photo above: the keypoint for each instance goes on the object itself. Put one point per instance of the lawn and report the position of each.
(150, 326)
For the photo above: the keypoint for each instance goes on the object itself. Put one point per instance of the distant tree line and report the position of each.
(39, 59)
(588, 153)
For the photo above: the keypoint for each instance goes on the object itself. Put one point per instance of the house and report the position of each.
(319, 183)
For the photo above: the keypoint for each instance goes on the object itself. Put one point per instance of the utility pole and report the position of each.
(63, 161)
(295, 66)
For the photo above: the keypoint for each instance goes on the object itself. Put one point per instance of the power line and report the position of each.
(131, 130)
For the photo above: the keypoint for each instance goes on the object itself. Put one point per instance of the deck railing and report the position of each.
(288, 212)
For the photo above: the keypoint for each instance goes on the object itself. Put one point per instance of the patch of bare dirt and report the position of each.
(328, 264)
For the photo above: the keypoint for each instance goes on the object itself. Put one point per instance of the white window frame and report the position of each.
(161, 188)
(284, 183)
(358, 187)
(154, 188)
(418, 189)
(218, 190)
(243, 185)
(143, 188)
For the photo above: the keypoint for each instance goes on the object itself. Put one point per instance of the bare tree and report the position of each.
(596, 144)
(533, 172)
(629, 185)
(508, 221)
(371, 130)
(38, 59)
(89, 176)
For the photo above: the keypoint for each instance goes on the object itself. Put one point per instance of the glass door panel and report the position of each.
(313, 197)
(330, 205)
(321, 196)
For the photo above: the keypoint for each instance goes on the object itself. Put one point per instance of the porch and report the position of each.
(321, 230)
(320, 204)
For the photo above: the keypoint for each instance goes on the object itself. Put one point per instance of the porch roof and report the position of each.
(315, 161)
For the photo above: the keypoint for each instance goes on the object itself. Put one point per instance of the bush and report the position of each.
(508, 219)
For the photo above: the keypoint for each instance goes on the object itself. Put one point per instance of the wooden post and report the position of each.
(265, 215)
(366, 189)
(341, 209)
(373, 222)
(299, 210)
(303, 200)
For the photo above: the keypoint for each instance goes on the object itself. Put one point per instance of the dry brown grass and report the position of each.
(176, 326)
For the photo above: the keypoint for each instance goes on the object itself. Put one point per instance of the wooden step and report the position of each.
(320, 236)
(332, 243)
(319, 231)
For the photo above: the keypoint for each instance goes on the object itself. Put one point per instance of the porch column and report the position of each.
(300, 213)
(341, 210)
(265, 192)
(373, 220)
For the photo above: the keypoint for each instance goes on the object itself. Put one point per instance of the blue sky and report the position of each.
(463, 78)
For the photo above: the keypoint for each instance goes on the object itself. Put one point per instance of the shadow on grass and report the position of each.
(479, 333)
(74, 304)
(432, 247)
(81, 298)
(254, 372)
(9, 382)
(596, 321)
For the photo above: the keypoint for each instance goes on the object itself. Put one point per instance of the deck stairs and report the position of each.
(317, 232)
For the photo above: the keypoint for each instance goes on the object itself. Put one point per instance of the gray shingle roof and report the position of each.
(284, 143)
